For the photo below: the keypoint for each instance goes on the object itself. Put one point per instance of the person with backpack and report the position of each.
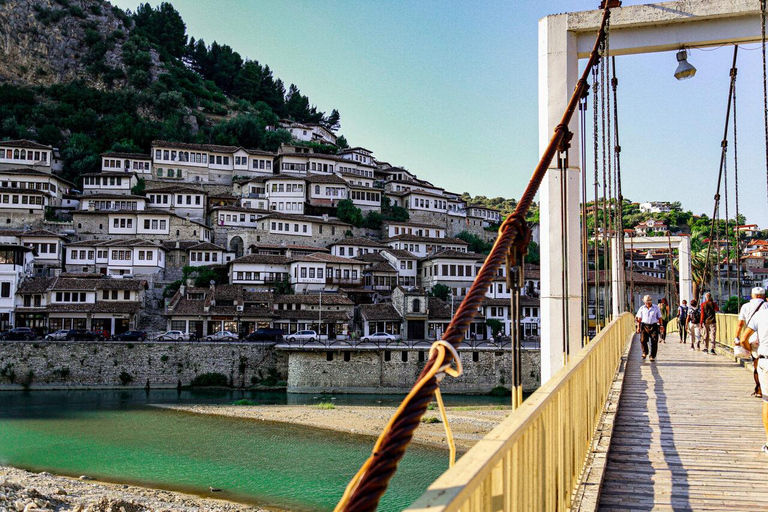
(682, 316)
(708, 323)
(746, 313)
(692, 324)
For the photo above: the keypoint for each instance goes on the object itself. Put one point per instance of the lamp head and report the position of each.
(684, 69)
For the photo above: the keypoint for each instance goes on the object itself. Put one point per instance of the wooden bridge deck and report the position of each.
(675, 444)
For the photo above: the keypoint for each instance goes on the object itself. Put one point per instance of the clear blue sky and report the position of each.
(448, 89)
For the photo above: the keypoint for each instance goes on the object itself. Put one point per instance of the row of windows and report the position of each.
(119, 164)
(170, 173)
(451, 270)
(424, 203)
(332, 191)
(261, 276)
(417, 232)
(288, 206)
(123, 223)
(351, 251)
(289, 187)
(70, 296)
(35, 156)
(287, 166)
(32, 185)
(286, 227)
(43, 248)
(14, 199)
(261, 164)
(359, 172)
(203, 256)
(358, 195)
(115, 205)
(316, 166)
(234, 217)
(104, 181)
(114, 294)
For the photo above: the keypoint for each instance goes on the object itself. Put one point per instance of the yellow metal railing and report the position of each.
(726, 328)
(534, 458)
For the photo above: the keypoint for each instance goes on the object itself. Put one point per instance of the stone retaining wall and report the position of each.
(100, 365)
(371, 371)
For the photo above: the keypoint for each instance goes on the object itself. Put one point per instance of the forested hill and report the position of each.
(87, 77)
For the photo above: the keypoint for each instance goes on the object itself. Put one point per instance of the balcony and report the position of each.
(253, 195)
(344, 280)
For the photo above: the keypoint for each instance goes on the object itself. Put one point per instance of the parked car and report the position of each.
(380, 336)
(102, 334)
(22, 333)
(174, 336)
(131, 336)
(80, 335)
(265, 334)
(58, 335)
(223, 336)
(302, 336)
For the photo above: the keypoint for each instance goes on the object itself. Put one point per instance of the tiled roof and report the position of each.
(371, 257)
(118, 307)
(401, 254)
(176, 189)
(374, 312)
(110, 173)
(183, 245)
(427, 239)
(135, 156)
(23, 143)
(234, 208)
(306, 218)
(36, 284)
(273, 259)
(362, 242)
(313, 299)
(381, 266)
(196, 147)
(325, 258)
(455, 255)
(109, 196)
(206, 246)
(308, 314)
(326, 178)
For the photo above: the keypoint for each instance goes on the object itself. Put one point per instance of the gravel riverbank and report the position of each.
(23, 491)
(468, 423)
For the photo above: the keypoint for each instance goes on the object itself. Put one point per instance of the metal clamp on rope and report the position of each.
(447, 369)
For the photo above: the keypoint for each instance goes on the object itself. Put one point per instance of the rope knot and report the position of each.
(446, 368)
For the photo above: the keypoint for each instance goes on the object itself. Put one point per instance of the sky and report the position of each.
(448, 89)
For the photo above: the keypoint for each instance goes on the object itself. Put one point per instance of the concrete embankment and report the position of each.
(468, 423)
(62, 364)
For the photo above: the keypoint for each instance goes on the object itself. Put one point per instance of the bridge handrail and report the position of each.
(726, 328)
(533, 459)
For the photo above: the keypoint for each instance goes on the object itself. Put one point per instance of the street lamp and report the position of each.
(684, 69)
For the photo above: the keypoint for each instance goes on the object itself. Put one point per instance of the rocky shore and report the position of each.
(468, 423)
(24, 491)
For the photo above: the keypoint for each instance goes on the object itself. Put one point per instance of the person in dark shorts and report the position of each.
(682, 316)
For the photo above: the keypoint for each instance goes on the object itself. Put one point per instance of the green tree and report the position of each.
(162, 26)
(440, 291)
(341, 141)
(496, 326)
(346, 211)
(139, 188)
(476, 244)
(283, 287)
(533, 255)
(373, 220)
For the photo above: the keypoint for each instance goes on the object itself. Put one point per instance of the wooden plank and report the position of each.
(674, 445)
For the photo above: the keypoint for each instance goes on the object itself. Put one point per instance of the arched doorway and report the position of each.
(236, 245)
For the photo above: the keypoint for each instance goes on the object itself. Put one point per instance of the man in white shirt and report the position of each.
(758, 324)
(745, 314)
(649, 322)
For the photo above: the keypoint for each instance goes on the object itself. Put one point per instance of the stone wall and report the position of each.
(255, 236)
(453, 225)
(17, 218)
(369, 371)
(100, 365)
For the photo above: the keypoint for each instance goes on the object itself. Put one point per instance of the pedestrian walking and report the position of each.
(664, 308)
(692, 324)
(758, 325)
(746, 313)
(682, 317)
(708, 323)
(649, 323)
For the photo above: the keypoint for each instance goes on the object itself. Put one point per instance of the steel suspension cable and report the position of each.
(584, 235)
(736, 201)
(369, 484)
(595, 135)
(727, 234)
(604, 188)
(617, 161)
(765, 88)
(724, 146)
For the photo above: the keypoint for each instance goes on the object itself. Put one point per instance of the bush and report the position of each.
(164, 357)
(430, 419)
(244, 401)
(125, 378)
(210, 379)
(27, 379)
(500, 391)
(324, 405)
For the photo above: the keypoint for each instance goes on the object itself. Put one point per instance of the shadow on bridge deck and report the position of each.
(675, 445)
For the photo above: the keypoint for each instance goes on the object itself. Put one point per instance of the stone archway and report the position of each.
(236, 245)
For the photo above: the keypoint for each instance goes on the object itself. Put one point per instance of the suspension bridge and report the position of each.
(606, 430)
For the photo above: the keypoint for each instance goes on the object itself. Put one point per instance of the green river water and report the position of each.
(116, 436)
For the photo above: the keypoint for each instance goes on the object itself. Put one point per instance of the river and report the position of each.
(115, 436)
